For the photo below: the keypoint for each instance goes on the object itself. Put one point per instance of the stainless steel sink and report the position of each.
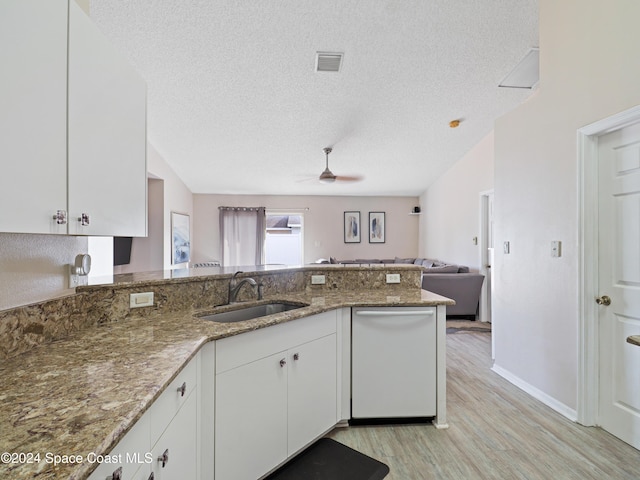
(249, 313)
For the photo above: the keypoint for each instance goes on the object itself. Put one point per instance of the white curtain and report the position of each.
(242, 235)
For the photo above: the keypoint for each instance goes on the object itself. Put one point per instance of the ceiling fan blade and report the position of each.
(349, 178)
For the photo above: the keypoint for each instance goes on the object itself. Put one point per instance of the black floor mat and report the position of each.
(327, 459)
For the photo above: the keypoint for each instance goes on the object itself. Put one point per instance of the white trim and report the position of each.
(588, 341)
(549, 401)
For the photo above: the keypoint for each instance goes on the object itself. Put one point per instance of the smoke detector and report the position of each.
(328, 61)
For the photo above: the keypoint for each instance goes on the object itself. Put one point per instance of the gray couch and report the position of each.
(449, 280)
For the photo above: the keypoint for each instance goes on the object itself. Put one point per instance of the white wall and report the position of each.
(33, 268)
(451, 208)
(323, 224)
(589, 70)
(147, 253)
(177, 198)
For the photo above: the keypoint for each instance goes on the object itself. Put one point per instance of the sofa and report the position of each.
(449, 280)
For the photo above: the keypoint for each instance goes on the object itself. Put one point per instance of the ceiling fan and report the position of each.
(327, 175)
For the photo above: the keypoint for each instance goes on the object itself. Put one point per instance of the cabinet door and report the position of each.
(312, 391)
(107, 135)
(180, 443)
(251, 419)
(33, 118)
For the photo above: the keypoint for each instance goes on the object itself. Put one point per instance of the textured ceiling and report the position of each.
(235, 106)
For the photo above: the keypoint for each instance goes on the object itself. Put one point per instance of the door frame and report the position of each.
(588, 334)
(483, 244)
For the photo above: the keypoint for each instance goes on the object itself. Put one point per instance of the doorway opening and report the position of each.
(284, 239)
(486, 260)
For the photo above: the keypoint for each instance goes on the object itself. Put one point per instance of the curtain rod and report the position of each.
(249, 209)
(241, 209)
(305, 209)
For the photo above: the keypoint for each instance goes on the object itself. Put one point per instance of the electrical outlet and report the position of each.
(137, 300)
(393, 278)
(318, 280)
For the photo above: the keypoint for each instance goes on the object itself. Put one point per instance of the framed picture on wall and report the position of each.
(376, 227)
(351, 227)
(180, 238)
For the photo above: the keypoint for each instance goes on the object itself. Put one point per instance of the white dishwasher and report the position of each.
(393, 362)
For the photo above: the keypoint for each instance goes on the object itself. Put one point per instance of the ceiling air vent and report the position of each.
(328, 62)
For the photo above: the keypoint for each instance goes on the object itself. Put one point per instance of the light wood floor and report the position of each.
(496, 431)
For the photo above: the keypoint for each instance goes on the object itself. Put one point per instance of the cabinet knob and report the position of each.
(603, 300)
(283, 362)
(296, 356)
(116, 475)
(182, 388)
(164, 458)
(84, 219)
(60, 217)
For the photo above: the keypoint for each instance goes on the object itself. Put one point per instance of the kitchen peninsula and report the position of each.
(83, 372)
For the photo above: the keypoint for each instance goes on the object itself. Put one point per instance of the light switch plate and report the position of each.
(393, 278)
(318, 280)
(137, 300)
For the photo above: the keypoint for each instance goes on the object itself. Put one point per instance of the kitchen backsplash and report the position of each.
(25, 327)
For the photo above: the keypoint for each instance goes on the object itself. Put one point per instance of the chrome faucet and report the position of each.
(234, 287)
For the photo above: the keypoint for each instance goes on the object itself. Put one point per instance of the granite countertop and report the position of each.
(83, 393)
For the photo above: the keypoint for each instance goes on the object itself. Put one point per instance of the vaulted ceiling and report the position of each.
(235, 104)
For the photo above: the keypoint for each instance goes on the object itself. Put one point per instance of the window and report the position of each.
(284, 239)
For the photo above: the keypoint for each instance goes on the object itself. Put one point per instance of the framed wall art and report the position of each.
(351, 227)
(180, 238)
(376, 227)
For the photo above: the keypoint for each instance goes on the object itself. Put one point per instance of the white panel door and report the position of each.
(312, 391)
(33, 115)
(107, 135)
(619, 281)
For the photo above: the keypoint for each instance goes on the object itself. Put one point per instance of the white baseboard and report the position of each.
(549, 401)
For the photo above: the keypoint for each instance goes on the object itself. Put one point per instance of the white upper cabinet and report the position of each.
(107, 135)
(33, 115)
(73, 122)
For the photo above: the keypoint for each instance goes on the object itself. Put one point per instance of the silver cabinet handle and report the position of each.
(84, 219)
(164, 458)
(283, 362)
(60, 217)
(116, 475)
(604, 300)
(182, 388)
(296, 356)
(397, 313)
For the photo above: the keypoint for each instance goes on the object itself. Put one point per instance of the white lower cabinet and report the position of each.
(175, 452)
(275, 393)
(251, 419)
(312, 391)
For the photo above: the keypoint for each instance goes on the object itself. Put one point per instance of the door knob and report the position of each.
(603, 300)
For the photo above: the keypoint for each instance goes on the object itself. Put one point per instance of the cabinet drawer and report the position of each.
(248, 347)
(132, 451)
(169, 402)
